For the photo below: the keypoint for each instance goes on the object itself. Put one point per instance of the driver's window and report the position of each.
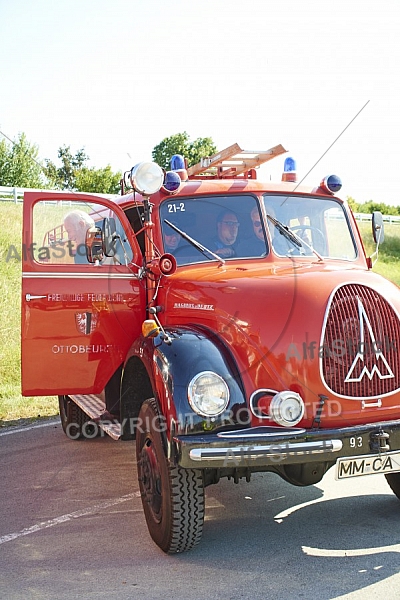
(60, 231)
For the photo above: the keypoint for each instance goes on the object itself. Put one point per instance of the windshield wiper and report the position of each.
(293, 237)
(195, 243)
(286, 232)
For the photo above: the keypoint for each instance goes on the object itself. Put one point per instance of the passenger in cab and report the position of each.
(76, 224)
(255, 246)
(171, 239)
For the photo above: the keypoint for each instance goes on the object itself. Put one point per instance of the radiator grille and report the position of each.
(361, 344)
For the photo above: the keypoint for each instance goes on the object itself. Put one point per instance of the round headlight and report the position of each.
(147, 178)
(208, 394)
(286, 408)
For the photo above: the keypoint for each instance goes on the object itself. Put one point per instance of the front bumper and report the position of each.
(263, 447)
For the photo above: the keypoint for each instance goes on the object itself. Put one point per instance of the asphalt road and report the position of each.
(71, 526)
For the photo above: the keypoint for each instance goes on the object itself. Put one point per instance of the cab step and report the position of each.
(94, 406)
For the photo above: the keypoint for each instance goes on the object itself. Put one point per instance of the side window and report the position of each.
(135, 216)
(60, 230)
(338, 235)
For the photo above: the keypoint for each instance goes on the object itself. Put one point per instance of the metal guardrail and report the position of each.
(16, 194)
(368, 217)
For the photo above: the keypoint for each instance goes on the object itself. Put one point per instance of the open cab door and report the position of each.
(81, 308)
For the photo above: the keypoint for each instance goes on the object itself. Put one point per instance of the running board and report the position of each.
(93, 407)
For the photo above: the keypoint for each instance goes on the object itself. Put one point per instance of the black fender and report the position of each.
(162, 367)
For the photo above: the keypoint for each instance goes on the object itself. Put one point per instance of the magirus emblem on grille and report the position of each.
(368, 345)
(86, 322)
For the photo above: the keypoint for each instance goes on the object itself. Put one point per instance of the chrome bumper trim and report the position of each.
(276, 451)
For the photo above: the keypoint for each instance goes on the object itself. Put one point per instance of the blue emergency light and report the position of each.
(331, 184)
(289, 170)
(177, 162)
(289, 166)
(172, 182)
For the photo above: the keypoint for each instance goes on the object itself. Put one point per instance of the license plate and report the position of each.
(367, 465)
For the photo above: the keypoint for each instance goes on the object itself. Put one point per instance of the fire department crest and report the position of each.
(86, 322)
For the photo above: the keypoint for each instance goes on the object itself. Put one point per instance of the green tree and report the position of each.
(180, 144)
(353, 204)
(75, 175)
(199, 149)
(64, 177)
(19, 165)
(101, 181)
(371, 206)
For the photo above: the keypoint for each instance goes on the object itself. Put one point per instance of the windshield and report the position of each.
(230, 227)
(319, 225)
(225, 227)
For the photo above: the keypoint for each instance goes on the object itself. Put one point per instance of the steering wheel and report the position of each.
(320, 236)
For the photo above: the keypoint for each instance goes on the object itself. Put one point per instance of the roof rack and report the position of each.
(232, 163)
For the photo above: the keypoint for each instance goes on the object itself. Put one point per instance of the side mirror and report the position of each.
(94, 244)
(125, 182)
(110, 236)
(377, 227)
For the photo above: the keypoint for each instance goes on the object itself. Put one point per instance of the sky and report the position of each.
(320, 77)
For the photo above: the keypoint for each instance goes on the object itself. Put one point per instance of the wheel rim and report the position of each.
(151, 479)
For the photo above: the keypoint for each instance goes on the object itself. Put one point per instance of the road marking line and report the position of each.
(350, 552)
(68, 517)
(22, 429)
(285, 513)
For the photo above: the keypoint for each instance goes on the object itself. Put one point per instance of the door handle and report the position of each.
(29, 297)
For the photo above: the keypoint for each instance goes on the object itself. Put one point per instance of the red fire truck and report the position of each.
(230, 326)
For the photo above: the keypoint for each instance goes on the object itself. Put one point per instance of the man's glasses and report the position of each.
(231, 223)
(257, 223)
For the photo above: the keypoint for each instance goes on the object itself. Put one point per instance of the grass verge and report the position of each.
(13, 406)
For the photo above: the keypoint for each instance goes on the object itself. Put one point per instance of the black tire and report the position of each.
(74, 421)
(393, 480)
(172, 497)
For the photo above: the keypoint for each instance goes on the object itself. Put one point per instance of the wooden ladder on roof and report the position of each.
(233, 162)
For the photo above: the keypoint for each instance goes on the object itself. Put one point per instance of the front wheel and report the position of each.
(172, 497)
(393, 480)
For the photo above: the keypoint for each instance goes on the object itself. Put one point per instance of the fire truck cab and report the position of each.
(230, 326)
